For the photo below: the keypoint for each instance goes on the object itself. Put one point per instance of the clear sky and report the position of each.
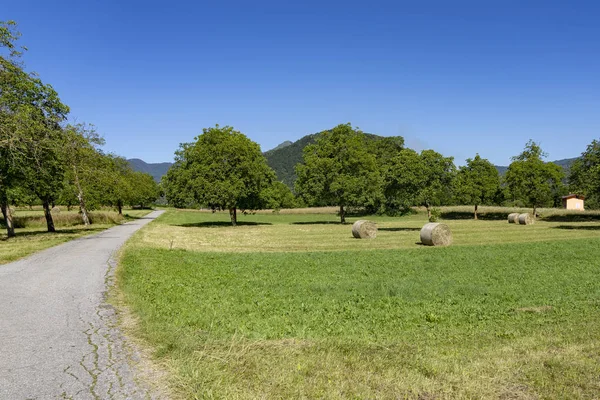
(461, 77)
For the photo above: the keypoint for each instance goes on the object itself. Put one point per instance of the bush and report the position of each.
(436, 214)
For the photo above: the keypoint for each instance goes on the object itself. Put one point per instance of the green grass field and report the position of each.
(291, 306)
(32, 236)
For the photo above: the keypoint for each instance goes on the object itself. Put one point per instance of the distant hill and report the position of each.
(157, 170)
(283, 160)
(565, 163)
(281, 146)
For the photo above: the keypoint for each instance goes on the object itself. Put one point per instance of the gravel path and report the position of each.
(58, 338)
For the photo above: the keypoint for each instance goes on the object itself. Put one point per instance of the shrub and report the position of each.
(436, 214)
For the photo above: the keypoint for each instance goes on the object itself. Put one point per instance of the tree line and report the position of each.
(224, 170)
(46, 160)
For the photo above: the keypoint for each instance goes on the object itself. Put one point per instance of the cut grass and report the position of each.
(478, 320)
(204, 231)
(32, 235)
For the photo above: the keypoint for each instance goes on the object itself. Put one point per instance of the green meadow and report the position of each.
(292, 306)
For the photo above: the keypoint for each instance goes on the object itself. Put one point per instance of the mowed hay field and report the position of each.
(32, 235)
(292, 306)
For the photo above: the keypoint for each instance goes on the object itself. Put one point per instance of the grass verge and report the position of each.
(32, 235)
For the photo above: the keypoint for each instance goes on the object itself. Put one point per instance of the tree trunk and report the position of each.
(10, 228)
(233, 216)
(120, 207)
(534, 210)
(48, 215)
(342, 215)
(428, 211)
(84, 213)
(475, 211)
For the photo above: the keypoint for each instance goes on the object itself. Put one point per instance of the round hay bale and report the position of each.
(55, 210)
(363, 229)
(513, 218)
(526, 219)
(436, 234)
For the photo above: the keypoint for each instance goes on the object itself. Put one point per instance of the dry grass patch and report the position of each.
(32, 235)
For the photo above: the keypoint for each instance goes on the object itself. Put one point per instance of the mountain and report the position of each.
(565, 163)
(281, 146)
(283, 160)
(157, 170)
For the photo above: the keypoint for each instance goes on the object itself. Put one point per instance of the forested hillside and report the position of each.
(157, 170)
(283, 160)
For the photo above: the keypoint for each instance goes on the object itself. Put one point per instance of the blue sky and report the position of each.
(461, 77)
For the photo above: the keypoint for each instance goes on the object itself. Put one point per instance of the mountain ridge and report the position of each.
(284, 157)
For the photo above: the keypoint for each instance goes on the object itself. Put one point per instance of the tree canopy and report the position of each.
(584, 177)
(531, 180)
(338, 169)
(477, 182)
(222, 169)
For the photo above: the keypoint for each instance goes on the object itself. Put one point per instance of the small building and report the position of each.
(573, 202)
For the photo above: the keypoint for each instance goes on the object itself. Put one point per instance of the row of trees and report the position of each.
(224, 170)
(45, 160)
(347, 169)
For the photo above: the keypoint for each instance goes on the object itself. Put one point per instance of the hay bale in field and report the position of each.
(513, 218)
(55, 210)
(363, 229)
(436, 234)
(526, 219)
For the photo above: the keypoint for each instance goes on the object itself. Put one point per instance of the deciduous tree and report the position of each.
(584, 176)
(339, 169)
(477, 182)
(82, 158)
(223, 170)
(439, 172)
(531, 180)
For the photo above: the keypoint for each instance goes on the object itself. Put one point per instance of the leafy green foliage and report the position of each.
(404, 178)
(477, 183)
(584, 177)
(222, 169)
(417, 179)
(533, 181)
(439, 172)
(145, 189)
(278, 196)
(339, 170)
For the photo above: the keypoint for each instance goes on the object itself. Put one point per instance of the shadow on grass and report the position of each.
(572, 218)
(209, 224)
(578, 227)
(321, 223)
(399, 229)
(490, 216)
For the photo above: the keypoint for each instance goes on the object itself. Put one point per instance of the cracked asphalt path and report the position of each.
(58, 338)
